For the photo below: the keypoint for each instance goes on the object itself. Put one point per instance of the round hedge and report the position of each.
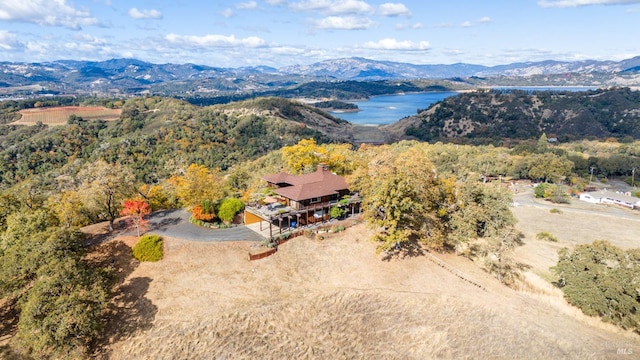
(148, 248)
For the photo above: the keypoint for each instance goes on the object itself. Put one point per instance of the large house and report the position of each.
(303, 199)
(318, 189)
(610, 197)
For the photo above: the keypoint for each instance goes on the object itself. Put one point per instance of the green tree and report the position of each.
(104, 187)
(404, 201)
(43, 274)
(63, 311)
(482, 211)
(549, 166)
(9, 204)
(602, 280)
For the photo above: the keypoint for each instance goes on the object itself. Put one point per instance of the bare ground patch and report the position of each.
(60, 115)
(336, 299)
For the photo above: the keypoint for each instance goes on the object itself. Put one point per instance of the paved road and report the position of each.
(175, 223)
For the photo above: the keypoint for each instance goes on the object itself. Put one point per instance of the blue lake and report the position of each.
(386, 109)
(380, 110)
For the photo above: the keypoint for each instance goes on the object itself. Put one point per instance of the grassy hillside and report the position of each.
(490, 116)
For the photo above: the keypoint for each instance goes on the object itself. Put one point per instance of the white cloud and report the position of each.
(393, 9)
(9, 41)
(214, 41)
(344, 23)
(227, 13)
(393, 44)
(287, 50)
(333, 7)
(576, 3)
(409, 25)
(484, 20)
(90, 39)
(145, 14)
(46, 13)
(247, 5)
(276, 2)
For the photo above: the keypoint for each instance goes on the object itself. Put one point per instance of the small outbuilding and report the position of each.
(611, 197)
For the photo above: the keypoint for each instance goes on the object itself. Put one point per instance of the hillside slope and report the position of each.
(336, 299)
(493, 115)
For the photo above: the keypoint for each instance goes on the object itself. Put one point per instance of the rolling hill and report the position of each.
(486, 116)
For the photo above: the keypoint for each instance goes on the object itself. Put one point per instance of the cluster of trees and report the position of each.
(336, 105)
(60, 298)
(602, 280)
(157, 136)
(408, 200)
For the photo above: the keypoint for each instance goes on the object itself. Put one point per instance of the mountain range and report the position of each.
(130, 76)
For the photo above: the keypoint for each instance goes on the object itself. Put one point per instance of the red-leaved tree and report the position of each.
(136, 209)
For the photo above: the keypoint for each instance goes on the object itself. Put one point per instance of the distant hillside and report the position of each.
(157, 136)
(487, 116)
(131, 76)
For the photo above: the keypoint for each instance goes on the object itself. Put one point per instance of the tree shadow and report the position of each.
(8, 327)
(408, 249)
(163, 224)
(160, 220)
(104, 234)
(129, 311)
(7, 353)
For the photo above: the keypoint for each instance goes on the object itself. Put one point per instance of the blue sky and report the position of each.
(286, 32)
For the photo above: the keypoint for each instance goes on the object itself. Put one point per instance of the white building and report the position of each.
(610, 197)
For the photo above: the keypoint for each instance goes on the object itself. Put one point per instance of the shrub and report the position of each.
(555, 211)
(540, 190)
(148, 248)
(200, 213)
(229, 208)
(546, 236)
(336, 212)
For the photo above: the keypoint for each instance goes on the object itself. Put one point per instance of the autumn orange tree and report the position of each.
(136, 209)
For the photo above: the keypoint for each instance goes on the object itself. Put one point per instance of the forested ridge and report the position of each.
(155, 136)
(495, 116)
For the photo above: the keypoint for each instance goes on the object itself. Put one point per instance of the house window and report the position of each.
(315, 200)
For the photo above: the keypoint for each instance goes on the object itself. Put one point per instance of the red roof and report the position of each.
(320, 183)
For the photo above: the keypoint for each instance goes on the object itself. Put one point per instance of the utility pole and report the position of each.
(591, 176)
(633, 177)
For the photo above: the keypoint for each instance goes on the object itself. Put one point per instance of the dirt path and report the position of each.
(336, 299)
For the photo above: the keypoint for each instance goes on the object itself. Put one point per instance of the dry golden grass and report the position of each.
(60, 115)
(336, 299)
